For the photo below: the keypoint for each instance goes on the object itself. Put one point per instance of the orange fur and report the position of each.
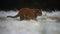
(27, 13)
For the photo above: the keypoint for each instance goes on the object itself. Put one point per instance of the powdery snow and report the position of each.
(46, 24)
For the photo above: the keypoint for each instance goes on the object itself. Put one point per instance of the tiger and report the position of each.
(27, 14)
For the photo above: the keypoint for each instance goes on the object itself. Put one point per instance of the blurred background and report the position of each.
(48, 23)
(41, 4)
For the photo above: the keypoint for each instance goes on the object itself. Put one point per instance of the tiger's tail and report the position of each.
(14, 16)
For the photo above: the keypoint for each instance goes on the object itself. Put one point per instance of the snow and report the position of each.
(48, 23)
